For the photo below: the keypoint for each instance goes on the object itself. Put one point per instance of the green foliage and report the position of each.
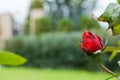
(53, 50)
(110, 49)
(113, 54)
(114, 50)
(88, 23)
(65, 25)
(36, 4)
(9, 58)
(43, 25)
(112, 16)
(116, 29)
(118, 1)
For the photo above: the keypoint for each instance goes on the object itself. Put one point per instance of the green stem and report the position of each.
(112, 76)
(108, 70)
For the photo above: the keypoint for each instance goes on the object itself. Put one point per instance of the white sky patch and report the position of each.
(18, 8)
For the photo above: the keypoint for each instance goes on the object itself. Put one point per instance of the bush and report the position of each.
(43, 25)
(36, 4)
(87, 23)
(55, 50)
(52, 50)
(65, 25)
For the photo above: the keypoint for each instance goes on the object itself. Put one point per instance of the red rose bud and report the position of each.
(91, 42)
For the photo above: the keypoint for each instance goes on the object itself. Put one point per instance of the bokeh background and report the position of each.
(48, 34)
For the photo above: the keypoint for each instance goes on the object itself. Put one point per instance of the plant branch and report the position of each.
(113, 76)
(108, 70)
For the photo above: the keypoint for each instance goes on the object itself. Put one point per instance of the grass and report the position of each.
(48, 74)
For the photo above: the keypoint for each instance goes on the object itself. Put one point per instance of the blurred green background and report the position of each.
(50, 37)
